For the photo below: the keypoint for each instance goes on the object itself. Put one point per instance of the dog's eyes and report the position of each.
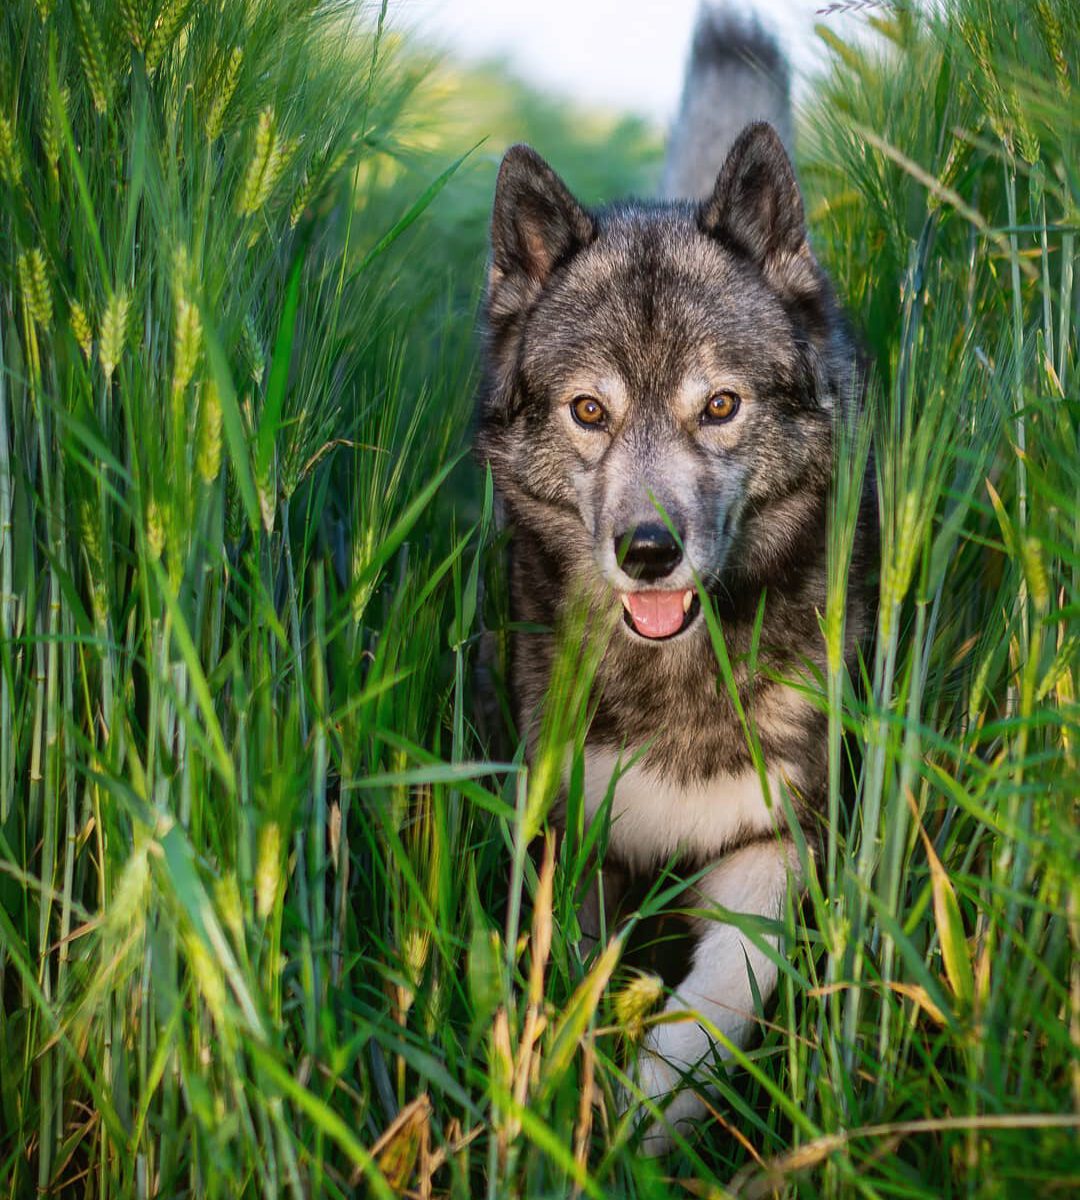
(721, 407)
(588, 411)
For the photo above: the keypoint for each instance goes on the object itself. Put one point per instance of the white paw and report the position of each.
(658, 1079)
(655, 1076)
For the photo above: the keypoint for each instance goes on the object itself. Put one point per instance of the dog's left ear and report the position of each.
(756, 207)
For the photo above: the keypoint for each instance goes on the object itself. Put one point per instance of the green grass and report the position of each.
(268, 922)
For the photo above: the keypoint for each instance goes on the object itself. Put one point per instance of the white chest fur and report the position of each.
(653, 818)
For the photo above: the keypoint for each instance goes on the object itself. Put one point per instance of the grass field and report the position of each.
(268, 923)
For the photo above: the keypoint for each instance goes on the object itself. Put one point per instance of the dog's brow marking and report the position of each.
(653, 818)
(691, 395)
(701, 383)
(609, 389)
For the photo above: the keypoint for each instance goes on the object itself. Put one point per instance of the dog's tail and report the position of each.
(737, 73)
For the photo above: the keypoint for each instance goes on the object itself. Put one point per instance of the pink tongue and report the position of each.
(656, 614)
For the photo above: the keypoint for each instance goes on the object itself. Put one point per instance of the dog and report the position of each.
(662, 387)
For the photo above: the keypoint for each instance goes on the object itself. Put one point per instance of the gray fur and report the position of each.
(651, 308)
(735, 74)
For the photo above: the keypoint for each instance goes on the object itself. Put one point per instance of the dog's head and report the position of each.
(661, 380)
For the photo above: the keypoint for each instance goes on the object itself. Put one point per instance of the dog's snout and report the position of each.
(648, 552)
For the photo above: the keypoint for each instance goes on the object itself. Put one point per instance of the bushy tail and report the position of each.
(736, 74)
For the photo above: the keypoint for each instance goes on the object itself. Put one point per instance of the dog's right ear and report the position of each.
(536, 223)
(756, 207)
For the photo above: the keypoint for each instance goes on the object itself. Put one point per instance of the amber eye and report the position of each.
(588, 411)
(721, 407)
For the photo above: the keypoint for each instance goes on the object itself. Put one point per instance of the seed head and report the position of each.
(252, 192)
(268, 869)
(35, 286)
(634, 1002)
(10, 157)
(252, 349)
(339, 161)
(268, 162)
(80, 327)
(128, 901)
(230, 906)
(1054, 40)
(207, 974)
(132, 22)
(215, 119)
(208, 455)
(90, 531)
(91, 539)
(114, 332)
(417, 948)
(301, 201)
(234, 511)
(187, 339)
(155, 530)
(50, 131)
(1027, 140)
(169, 22)
(1035, 573)
(91, 54)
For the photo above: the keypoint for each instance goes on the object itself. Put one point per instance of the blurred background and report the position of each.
(615, 54)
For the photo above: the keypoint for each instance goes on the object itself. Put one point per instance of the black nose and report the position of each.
(648, 552)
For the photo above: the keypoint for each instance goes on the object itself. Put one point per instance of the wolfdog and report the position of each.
(662, 388)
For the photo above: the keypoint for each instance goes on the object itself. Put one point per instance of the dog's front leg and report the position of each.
(752, 880)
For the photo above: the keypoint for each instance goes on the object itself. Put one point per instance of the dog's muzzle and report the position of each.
(650, 553)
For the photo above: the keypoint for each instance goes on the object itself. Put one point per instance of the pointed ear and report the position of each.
(536, 222)
(756, 207)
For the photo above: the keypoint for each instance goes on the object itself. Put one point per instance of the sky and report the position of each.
(622, 54)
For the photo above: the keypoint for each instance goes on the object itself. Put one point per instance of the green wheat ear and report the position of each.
(82, 329)
(91, 54)
(634, 1001)
(167, 27)
(50, 131)
(251, 349)
(215, 119)
(208, 452)
(114, 327)
(11, 166)
(1054, 39)
(133, 22)
(35, 286)
(155, 529)
(187, 343)
(269, 159)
